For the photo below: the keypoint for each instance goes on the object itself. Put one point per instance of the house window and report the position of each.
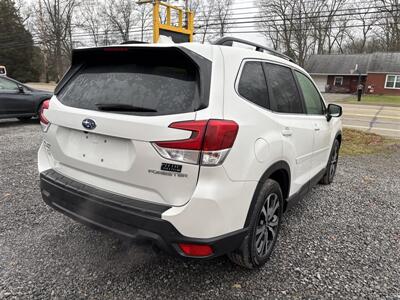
(338, 80)
(392, 82)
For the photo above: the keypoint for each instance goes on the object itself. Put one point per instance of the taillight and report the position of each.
(196, 250)
(43, 120)
(208, 145)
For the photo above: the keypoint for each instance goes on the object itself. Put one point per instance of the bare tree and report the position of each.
(222, 12)
(192, 5)
(205, 17)
(390, 24)
(338, 34)
(120, 14)
(144, 16)
(287, 24)
(302, 27)
(92, 20)
(55, 30)
(324, 22)
(366, 19)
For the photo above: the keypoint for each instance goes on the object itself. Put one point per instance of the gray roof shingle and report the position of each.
(384, 62)
(337, 64)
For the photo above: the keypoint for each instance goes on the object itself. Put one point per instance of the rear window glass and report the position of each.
(133, 88)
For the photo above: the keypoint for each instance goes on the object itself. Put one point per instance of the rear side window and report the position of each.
(252, 84)
(285, 97)
(311, 96)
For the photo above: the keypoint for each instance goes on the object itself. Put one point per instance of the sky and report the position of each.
(240, 9)
(246, 8)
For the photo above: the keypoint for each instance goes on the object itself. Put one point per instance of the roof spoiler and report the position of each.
(133, 42)
(228, 41)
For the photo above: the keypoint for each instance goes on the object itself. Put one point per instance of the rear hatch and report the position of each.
(111, 107)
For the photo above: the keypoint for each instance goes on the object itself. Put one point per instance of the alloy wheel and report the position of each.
(334, 161)
(267, 225)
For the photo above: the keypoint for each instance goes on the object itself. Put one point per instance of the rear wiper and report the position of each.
(123, 107)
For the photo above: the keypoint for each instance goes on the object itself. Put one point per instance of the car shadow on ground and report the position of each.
(18, 123)
(131, 263)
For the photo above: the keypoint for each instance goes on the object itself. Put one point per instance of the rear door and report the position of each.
(296, 129)
(129, 97)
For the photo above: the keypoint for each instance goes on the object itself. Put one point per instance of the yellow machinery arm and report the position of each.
(182, 28)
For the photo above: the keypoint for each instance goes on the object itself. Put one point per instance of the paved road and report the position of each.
(384, 120)
(380, 119)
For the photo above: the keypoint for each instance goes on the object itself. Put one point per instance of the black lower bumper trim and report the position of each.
(124, 216)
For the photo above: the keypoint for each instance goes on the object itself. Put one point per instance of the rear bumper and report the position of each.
(124, 216)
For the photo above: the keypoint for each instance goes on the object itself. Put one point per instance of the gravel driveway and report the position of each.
(341, 241)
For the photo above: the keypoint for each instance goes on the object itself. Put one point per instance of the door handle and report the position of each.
(287, 132)
(316, 127)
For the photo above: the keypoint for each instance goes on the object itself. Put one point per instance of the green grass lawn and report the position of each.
(374, 99)
(356, 142)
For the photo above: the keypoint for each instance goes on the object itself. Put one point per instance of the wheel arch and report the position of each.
(280, 172)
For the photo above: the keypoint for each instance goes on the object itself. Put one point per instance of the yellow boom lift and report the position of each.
(180, 31)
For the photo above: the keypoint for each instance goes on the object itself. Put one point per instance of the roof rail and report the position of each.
(228, 41)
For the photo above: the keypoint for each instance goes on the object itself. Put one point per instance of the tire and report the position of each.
(332, 164)
(255, 251)
(24, 118)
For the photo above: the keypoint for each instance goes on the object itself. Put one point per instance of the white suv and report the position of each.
(199, 148)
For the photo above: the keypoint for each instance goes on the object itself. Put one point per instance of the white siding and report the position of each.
(320, 81)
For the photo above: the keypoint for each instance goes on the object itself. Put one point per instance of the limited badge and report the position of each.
(171, 168)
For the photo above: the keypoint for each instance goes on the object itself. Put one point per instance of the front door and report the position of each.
(13, 101)
(316, 112)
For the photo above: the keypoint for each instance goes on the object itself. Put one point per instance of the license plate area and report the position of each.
(96, 149)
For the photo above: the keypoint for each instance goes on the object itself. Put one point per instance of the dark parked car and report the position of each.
(19, 101)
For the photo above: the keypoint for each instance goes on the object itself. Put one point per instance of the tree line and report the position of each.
(39, 35)
(303, 27)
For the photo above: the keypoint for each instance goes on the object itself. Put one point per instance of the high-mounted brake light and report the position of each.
(208, 145)
(116, 49)
(196, 250)
(43, 120)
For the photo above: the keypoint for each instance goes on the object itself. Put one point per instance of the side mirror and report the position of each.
(334, 111)
(21, 89)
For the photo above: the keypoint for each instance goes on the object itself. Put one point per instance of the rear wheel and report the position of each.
(264, 228)
(332, 164)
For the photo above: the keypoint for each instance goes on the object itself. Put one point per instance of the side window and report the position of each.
(285, 97)
(252, 84)
(311, 96)
(8, 85)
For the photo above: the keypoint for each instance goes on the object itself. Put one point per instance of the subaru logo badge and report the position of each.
(89, 124)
